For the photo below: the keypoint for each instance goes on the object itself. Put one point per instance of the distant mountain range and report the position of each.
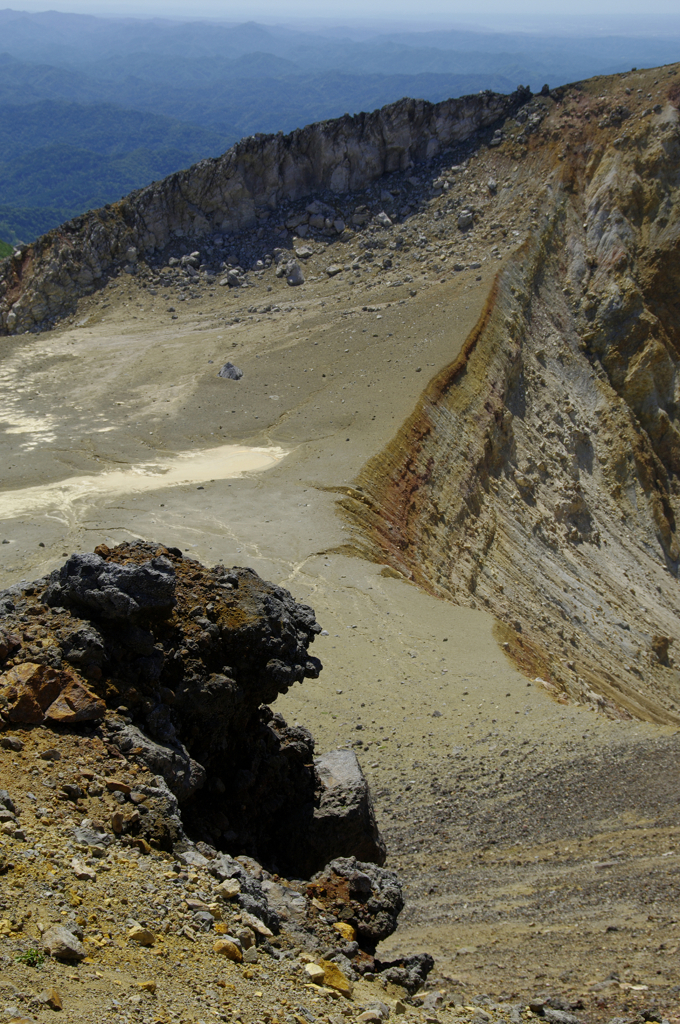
(91, 108)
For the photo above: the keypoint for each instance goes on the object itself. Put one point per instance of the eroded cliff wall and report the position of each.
(234, 192)
(537, 475)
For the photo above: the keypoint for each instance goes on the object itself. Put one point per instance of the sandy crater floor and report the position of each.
(500, 806)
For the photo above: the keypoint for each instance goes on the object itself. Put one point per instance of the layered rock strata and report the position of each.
(238, 190)
(178, 664)
(538, 474)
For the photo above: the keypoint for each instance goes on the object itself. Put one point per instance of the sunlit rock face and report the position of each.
(537, 476)
(233, 192)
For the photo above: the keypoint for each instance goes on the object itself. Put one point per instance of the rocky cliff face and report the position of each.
(237, 191)
(538, 474)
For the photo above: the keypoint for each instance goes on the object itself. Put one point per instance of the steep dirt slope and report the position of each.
(537, 476)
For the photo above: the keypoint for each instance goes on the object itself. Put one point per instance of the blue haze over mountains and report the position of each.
(91, 108)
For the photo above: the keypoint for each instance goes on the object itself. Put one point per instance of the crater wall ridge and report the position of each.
(537, 475)
(238, 190)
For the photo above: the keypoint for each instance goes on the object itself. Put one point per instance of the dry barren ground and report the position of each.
(538, 841)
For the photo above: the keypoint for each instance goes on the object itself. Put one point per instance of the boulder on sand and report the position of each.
(294, 275)
(62, 944)
(230, 372)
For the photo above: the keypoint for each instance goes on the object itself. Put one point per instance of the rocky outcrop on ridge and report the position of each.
(243, 189)
(175, 665)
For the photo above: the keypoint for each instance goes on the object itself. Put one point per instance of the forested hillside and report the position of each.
(91, 108)
(60, 158)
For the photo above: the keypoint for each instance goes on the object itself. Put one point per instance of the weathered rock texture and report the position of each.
(233, 192)
(366, 897)
(538, 475)
(190, 657)
(33, 693)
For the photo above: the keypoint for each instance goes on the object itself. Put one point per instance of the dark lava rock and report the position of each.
(410, 972)
(110, 590)
(368, 897)
(187, 659)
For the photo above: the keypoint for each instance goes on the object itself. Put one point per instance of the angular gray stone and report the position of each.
(192, 858)
(230, 372)
(559, 1016)
(224, 866)
(92, 837)
(294, 273)
(433, 1000)
(62, 944)
(344, 822)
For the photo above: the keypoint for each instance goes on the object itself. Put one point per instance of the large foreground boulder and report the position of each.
(179, 663)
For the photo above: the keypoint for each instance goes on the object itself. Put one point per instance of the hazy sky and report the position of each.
(615, 16)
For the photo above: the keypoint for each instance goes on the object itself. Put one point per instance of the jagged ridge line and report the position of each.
(225, 193)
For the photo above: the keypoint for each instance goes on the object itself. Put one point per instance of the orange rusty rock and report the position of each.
(27, 690)
(75, 703)
(116, 786)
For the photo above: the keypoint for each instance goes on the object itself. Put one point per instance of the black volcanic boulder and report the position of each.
(187, 659)
(110, 590)
(410, 971)
(368, 897)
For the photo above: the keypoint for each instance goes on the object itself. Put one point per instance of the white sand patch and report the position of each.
(209, 464)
